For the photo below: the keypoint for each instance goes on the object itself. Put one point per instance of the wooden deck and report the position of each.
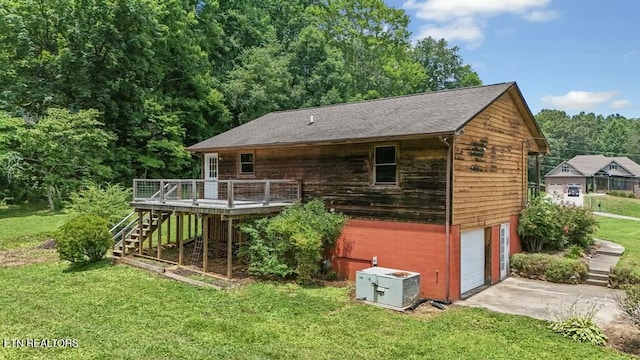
(210, 206)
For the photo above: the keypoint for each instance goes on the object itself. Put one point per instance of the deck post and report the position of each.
(229, 247)
(150, 237)
(124, 248)
(160, 236)
(189, 218)
(179, 238)
(205, 244)
(162, 191)
(169, 228)
(267, 192)
(230, 193)
(194, 192)
(140, 229)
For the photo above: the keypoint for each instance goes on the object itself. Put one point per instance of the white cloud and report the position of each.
(619, 104)
(541, 15)
(579, 100)
(465, 20)
(464, 29)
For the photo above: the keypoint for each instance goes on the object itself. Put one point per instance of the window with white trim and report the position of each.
(385, 168)
(565, 168)
(246, 163)
(613, 166)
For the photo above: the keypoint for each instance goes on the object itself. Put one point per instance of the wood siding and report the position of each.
(342, 175)
(490, 166)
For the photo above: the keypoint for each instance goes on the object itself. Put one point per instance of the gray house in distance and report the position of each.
(594, 173)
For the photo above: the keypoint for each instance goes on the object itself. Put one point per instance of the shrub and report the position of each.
(85, 238)
(110, 202)
(292, 242)
(624, 194)
(574, 252)
(579, 225)
(553, 268)
(630, 303)
(539, 226)
(576, 322)
(621, 276)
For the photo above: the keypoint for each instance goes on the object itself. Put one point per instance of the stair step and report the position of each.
(610, 252)
(601, 277)
(598, 282)
(599, 272)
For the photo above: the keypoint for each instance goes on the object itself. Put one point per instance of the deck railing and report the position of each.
(234, 192)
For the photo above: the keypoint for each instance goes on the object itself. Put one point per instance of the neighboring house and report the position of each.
(433, 183)
(594, 173)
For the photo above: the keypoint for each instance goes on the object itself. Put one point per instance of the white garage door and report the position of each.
(471, 260)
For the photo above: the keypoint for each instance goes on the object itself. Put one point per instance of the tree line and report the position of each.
(110, 90)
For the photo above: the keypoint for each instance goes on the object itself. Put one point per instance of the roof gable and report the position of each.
(441, 112)
(590, 165)
(558, 170)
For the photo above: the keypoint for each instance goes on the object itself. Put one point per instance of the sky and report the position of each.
(571, 55)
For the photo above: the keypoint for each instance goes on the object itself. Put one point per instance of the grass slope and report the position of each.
(117, 312)
(614, 205)
(26, 226)
(625, 233)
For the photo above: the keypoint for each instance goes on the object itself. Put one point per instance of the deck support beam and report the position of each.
(169, 228)
(229, 247)
(159, 250)
(189, 219)
(179, 229)
(205, 244)
(140, 231)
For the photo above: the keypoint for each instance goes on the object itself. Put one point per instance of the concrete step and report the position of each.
(598, 282)
(598, 272)
(601, 277)
(610, 251)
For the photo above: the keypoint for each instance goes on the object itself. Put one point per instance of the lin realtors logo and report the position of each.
(39, 343)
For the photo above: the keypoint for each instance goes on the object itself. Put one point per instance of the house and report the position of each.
(595, 173)
(432, 183)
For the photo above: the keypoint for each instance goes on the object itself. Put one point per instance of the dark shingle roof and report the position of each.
(427, 113)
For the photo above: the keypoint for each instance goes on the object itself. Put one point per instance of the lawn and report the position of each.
(118, 312)
(614, 205)
(27, 225)
(625, 233)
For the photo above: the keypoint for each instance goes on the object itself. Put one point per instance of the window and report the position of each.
(246, 164)
(613, 166)
(385, 167)
(565, 168)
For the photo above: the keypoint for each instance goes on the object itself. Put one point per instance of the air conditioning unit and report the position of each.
(390, 288)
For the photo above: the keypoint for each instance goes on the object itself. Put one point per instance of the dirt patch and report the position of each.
(624, 337)
(20, 257)
(48, 244)
(425, 311)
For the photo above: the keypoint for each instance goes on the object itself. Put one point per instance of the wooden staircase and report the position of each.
(130, 239)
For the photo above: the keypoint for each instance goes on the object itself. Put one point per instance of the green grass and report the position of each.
(614, 205)
(118, 312)
(625, 233)
(27, 225)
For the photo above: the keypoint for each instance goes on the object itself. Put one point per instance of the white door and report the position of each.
(471, 260)
(504, 250)
(211, 173)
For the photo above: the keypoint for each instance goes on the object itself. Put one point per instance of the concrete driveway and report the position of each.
(541, 299)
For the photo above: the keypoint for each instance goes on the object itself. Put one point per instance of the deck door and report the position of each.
(504, 250)
(211, 176)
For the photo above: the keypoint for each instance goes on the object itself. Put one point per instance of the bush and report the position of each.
(292, 242)
(553, 268)
(579, 225)
(624, 194)
(621, 276)
(630, 303)
(85, 238)
(539, 226)
(574, 252)
(109, 202)
(576, 322)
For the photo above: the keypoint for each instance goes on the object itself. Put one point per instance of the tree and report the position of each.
(62, 148)
(443, 65)
(615, 135)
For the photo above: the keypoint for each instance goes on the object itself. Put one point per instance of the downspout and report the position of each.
(447, 219)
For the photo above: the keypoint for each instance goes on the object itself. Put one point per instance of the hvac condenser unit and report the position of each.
(395, 289)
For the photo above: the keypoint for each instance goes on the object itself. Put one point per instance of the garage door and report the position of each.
(471, 260)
